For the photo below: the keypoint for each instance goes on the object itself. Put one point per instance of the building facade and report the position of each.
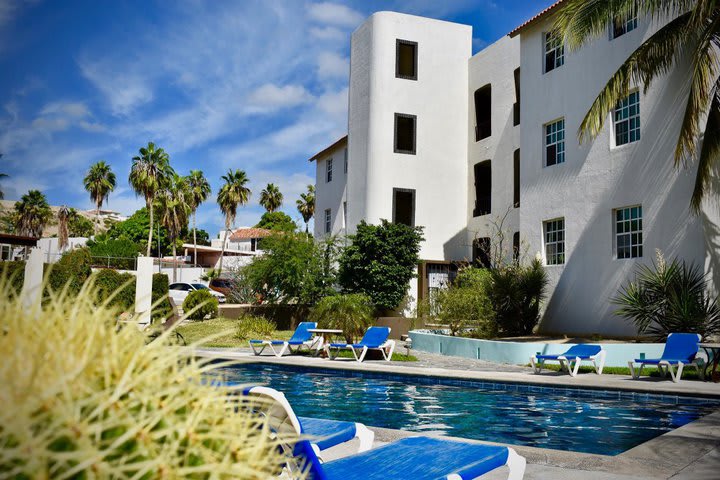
(477, 148)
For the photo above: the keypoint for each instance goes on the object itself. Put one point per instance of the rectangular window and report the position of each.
(405, 128)
(345, 214)
(516, 105)
(483, 188)
(554, 51)
(328, 170)
(628, 232)
(404, 206)
(516, 178)
(624, 24)
(516, 246)
(555, 241)
(555, 142)
(345, 160)
(406, 59)
(328, 221)
(483, 112)
(627, 119)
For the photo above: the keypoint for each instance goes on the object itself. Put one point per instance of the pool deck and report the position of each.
(689, 452)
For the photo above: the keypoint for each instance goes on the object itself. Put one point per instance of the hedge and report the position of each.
(206, 303)
(122, 285)
(160, 290)
(73, 269)
(15, 273)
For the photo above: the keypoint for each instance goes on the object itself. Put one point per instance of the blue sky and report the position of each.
(256, 85)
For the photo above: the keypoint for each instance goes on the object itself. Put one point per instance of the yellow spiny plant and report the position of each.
(81, 398)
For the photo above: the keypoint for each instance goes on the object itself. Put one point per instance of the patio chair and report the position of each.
(323, 434)
(570, 361)
(375, 338)
(419, 458)
(680, 350)
(300, 338)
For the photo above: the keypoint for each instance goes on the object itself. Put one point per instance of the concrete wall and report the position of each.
(330, 194)
(51, 250)
(519, 353)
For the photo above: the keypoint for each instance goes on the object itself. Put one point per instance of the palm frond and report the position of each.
(710, 151)
(580, 21)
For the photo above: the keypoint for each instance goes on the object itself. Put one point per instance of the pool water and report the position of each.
(591, 421)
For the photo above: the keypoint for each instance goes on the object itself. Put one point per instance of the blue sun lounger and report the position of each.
(570, 361)
(417, 458)
(680, 350)
(300, 338)
(375, 338)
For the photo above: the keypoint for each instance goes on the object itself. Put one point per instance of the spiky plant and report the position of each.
(81, 398)
(351, 313)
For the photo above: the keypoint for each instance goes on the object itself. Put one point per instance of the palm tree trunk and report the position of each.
(97, 217)
(194, 240)
(149, 245)
(174, 262)
(222, 254)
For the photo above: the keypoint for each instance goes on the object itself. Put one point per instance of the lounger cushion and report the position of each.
(655, 361)
(374, 337)
(327, 433)
(418, 458)
(569, 357)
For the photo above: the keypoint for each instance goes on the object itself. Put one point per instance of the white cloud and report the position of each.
(335, 103)
(334, 14)
(270, 97)
(71, 109)
(332, 65)
(123, 90)
(51, 124)
(329, 33)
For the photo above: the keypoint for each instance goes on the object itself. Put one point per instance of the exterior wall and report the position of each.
(438, 98)
(598, 177)
(495, 65)
(330, 194)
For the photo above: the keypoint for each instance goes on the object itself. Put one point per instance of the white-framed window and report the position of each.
(627, 119)
(555, 142)
(554, 232)
(554, 51)
(345, 156)
(628, 232)
(328, 220)
(623, 24)
(328, 170)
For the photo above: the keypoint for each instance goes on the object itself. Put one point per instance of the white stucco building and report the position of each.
(453, 142)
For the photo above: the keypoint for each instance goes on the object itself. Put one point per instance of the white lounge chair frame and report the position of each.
(572, 365)
(364, 435)
(665, 367)
(386, 348)
(311, 344)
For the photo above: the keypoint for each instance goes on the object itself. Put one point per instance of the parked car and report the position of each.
(222, 285)
(179, 292)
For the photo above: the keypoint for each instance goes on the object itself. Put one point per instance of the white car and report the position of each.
(179, 292)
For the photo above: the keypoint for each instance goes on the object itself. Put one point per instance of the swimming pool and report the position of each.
(592, 421)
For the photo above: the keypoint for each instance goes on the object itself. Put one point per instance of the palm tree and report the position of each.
(199, 192)
(99, 182)
(2, 175)
(150, 173)
(306, 205)
(232, 194)
(32, 213)
(173, 204)
(693, 33)
(63, 215)
(271, 198)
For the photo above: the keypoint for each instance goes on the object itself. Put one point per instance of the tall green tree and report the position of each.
(199, 192)
(173, 205)
(99, 182)
(306, 205)
(150, 172)
(271, 198)
(691, 31)
(32, 214)
(63, 215)
(232, 194)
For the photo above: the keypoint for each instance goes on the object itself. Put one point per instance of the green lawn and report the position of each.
(652, 371)
(195, 331)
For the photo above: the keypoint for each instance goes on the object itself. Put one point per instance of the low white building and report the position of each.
(454, 143)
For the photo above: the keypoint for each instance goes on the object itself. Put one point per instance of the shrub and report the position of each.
(252, 327)
(161, 304)
(380, 262)
(114, 253)
(200, 304)
(465, 307)
(352, 313)
(14, 272)
(516, 293)
(97, 402)
(120, 286)
(667, 298)
(71, 271)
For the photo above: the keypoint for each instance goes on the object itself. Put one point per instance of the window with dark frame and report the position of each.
(516, 105)
(483, 188)
(345, 214)
(627, 119)
(483, 112)
(516, 178)
(328, 170)
(403, 206)
(554, 231)
(554, 51)
(405, 130)
(555, 143)
(628, 232)
(406, 59)
(481, 252)
(328, 220)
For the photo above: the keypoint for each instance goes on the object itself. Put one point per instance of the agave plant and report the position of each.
(82, 399)
(667, 298)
